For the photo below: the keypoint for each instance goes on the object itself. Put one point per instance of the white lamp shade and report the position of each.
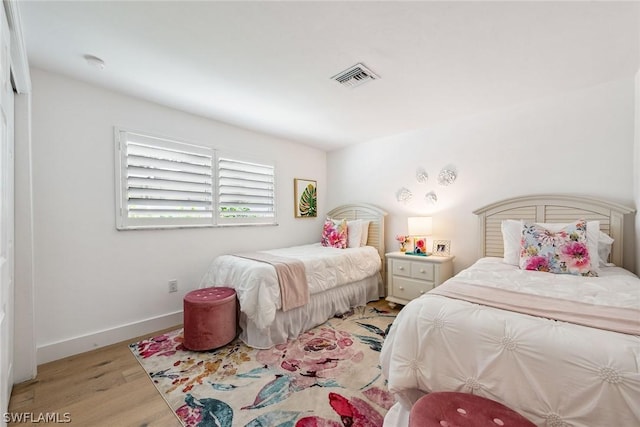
(420, 226)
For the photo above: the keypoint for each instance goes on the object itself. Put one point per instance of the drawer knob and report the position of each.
(401, 288)
(421, 292)
(400, 268)
(422, 270)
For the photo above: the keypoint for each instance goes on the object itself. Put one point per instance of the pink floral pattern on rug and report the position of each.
(330, 376)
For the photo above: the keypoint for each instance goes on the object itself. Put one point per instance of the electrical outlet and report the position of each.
(173, 286)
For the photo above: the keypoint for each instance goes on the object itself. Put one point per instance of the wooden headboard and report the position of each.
(367, 212)
(551, 208)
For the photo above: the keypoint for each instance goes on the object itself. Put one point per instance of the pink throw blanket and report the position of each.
(292, 278)
(618, 319)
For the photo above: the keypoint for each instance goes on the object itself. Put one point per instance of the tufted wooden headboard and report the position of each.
(551, 208)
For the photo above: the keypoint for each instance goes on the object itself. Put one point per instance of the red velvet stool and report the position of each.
(451, 409)
(210, 318)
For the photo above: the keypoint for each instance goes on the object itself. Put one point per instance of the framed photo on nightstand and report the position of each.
(441, 247)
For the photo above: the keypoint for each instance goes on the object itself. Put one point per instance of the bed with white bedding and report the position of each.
(491, 330)
(338, 280)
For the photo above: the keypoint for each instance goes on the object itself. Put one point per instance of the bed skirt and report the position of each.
(322, 306)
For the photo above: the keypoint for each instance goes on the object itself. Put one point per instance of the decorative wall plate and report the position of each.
(431, 198)
(421, 175)
(447, 176)
(404, 195)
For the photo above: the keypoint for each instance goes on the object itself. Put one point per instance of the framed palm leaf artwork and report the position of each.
(305, 198)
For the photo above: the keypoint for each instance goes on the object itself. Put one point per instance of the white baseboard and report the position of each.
(58, 350)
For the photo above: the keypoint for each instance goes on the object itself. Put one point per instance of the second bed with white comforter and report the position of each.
(556, 373)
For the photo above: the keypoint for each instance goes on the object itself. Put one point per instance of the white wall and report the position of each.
(95, 285)
(578, 143)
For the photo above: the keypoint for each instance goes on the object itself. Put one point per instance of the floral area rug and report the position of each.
(329, 377)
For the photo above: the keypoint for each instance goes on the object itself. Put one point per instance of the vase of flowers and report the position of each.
(403, 240)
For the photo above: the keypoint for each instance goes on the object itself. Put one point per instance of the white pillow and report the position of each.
(512, 233)
(354, 233)
(604, 248)
(365, 233)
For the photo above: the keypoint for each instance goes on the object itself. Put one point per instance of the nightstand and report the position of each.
(409, 276)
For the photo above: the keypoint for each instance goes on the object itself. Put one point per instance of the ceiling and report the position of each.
(267, 65)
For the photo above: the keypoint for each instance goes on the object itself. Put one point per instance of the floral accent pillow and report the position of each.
(563, 252)
(334, 233)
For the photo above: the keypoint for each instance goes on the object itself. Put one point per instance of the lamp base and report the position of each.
(417, 253)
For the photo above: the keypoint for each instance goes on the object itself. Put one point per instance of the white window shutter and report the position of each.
(246, 191)
(164, 183)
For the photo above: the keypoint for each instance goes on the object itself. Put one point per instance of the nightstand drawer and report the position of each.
(422, 271)
(401, 268)
(410, 288)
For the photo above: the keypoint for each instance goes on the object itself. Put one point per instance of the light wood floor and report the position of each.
(103, 387)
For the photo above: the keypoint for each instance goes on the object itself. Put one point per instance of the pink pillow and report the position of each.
(334, 233)
(565, 251)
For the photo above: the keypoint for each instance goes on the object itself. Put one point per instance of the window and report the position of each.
(246, 191)
(164, 183)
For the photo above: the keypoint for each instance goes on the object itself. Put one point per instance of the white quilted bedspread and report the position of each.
(615, 287)
(554, 373)
(256, 283)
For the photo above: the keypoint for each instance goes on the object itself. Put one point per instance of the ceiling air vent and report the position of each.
(355, 76)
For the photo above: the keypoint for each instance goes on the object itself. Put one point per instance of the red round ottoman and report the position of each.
(451, 409)
(210, 318)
